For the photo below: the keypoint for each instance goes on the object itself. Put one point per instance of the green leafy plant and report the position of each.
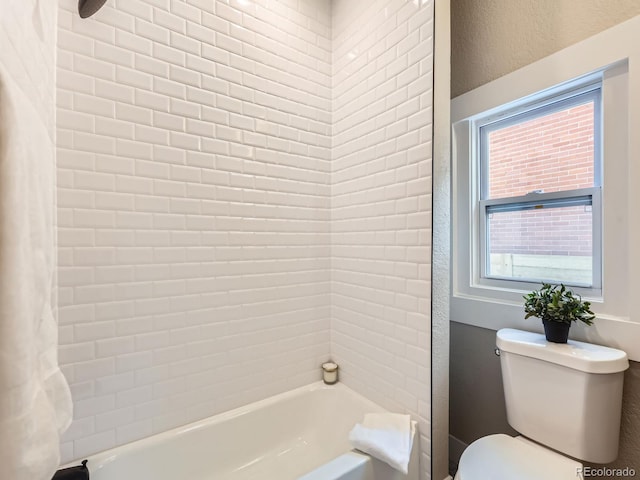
(556, 303)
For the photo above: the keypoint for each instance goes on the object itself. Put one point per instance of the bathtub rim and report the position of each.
(103, 458)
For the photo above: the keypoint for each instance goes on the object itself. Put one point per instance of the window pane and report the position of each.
(552, 152)
(552, 243)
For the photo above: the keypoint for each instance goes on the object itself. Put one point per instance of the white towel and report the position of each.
(35, 403)
(387, 437)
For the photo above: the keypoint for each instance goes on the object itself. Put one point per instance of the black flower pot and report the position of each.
(556, 332)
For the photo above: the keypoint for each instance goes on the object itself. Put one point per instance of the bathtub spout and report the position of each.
(81, 472)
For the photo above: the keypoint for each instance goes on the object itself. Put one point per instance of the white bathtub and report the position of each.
(301, 434)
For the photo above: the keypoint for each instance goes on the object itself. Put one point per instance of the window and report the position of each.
(539, 195)
(540, 190)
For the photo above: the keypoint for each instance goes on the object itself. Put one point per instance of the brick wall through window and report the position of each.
(552, 153)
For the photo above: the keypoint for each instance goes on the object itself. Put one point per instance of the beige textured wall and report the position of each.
(629, 454)
(491, 38)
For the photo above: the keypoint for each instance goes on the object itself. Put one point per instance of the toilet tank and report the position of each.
(566, 396)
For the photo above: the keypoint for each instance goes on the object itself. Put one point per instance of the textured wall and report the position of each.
(193, 185)
(441, 255)
(381, 202)
(476, 394)
(477, 399)
(629, 453)
(494, 37)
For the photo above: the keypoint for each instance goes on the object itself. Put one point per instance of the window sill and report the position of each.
(615, 332)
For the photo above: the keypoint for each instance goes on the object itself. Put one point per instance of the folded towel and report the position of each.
(387, 437)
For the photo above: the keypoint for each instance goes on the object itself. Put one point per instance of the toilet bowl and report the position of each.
(501, 457)
(550, 391)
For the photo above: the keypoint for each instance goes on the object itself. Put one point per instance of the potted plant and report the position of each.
(557, 307)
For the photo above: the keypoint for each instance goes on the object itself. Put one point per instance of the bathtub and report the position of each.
(301, 434)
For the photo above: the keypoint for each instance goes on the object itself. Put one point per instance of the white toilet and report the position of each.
(567, 397)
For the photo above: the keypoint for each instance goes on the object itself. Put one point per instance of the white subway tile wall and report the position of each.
(194, 148)
(244, 189)
(381, 203)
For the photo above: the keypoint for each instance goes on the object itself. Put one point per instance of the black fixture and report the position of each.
(81, 472)
(86, 8)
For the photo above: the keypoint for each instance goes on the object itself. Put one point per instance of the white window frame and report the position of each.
(576, 93)
(614, 55)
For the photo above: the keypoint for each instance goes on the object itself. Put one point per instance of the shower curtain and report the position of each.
(35, 404)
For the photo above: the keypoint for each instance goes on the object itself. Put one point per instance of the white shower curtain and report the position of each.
(35, 404)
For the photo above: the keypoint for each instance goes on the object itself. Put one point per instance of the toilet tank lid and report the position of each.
(585, 357)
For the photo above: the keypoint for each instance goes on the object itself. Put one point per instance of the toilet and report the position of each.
(564, 399)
